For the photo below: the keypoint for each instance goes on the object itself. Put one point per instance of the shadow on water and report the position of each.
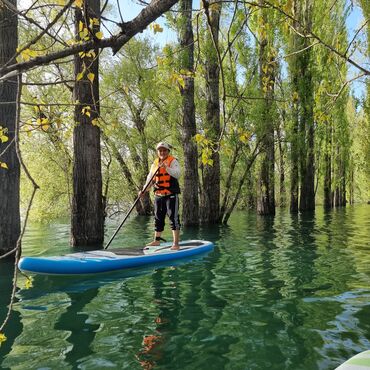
(14, 326)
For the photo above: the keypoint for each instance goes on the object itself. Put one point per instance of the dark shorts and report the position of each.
(166, 205)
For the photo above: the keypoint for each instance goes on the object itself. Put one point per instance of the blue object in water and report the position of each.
(97, 261)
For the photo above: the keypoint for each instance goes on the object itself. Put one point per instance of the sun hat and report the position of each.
(163, 144)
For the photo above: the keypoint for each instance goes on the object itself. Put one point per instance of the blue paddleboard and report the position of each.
(96, 261)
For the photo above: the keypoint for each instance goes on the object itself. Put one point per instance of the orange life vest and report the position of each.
(164, 183)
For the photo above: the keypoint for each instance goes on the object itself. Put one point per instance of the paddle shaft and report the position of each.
(128, 213)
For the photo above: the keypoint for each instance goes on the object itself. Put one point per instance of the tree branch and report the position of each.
(154, 10)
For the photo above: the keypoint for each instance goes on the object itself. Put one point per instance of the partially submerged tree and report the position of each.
(9, 164)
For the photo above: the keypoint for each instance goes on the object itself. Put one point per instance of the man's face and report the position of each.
(162, 153)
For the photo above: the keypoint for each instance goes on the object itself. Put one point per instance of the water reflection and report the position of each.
(14, 326)
(287, 292)
(75, 321)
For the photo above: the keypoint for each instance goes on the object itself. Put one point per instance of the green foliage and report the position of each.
(140, 102)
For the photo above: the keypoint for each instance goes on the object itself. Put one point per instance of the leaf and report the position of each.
(79, 3)
(80, 26)
(2, 338)
(157, 28)
(3, 165)
(3, 138)
(28, 283)
(80, 76)
(95, 122)
(99, 35)
(91, 77)
(94, 21)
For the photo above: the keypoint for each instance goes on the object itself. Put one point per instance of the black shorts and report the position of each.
(166, 205)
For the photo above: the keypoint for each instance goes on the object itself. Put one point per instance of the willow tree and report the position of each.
(9, 164)
(267, 66)
(365, 4)
(210, 190)
(87, 226)
(190, 208)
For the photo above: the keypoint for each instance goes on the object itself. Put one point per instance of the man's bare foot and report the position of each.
(175, 248)
(154, 243)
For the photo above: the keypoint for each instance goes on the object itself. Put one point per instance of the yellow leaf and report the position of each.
(80, 26)
(157, 28)
(95, 122)
(28, 283)
(79, 3)
(91, 77)
(181, 82)
(99, 35)
(3, 165)
(2, 338)
(80, 76)
(94, 21)
(3, 138)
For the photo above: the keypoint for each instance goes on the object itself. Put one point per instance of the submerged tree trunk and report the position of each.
(266, 183)
(210, 192)
(328, 201)
(87, 206)
(307, 160)
(190, 198)
(9, 164)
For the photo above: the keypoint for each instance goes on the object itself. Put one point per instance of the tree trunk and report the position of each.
(307, 160)
(87, 206)
(328, 201)
(294, 158)
(145, 206)
(9, 177)
(190, 199)
(210, 192)
(282, 190)
(266, 182)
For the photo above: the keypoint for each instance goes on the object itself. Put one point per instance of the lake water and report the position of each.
(276, 293)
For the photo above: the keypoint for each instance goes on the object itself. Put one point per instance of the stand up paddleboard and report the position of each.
(97, 261)
(361, 361)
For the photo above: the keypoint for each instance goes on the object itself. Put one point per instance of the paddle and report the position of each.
(128, 214)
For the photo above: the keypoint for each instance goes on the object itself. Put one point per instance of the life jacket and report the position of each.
(164, 183)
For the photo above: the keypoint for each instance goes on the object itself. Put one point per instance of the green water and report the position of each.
(276, 293)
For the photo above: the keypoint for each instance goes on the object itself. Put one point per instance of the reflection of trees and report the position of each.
(189, 311)
(75, 321)
(14, 326)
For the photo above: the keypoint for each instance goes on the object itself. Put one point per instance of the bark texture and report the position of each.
(190, 197)
(87, 226)
(9, 178)
(210, 193)
(266, 182)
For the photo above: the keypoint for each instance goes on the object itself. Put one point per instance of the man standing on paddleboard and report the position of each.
(166, 191)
